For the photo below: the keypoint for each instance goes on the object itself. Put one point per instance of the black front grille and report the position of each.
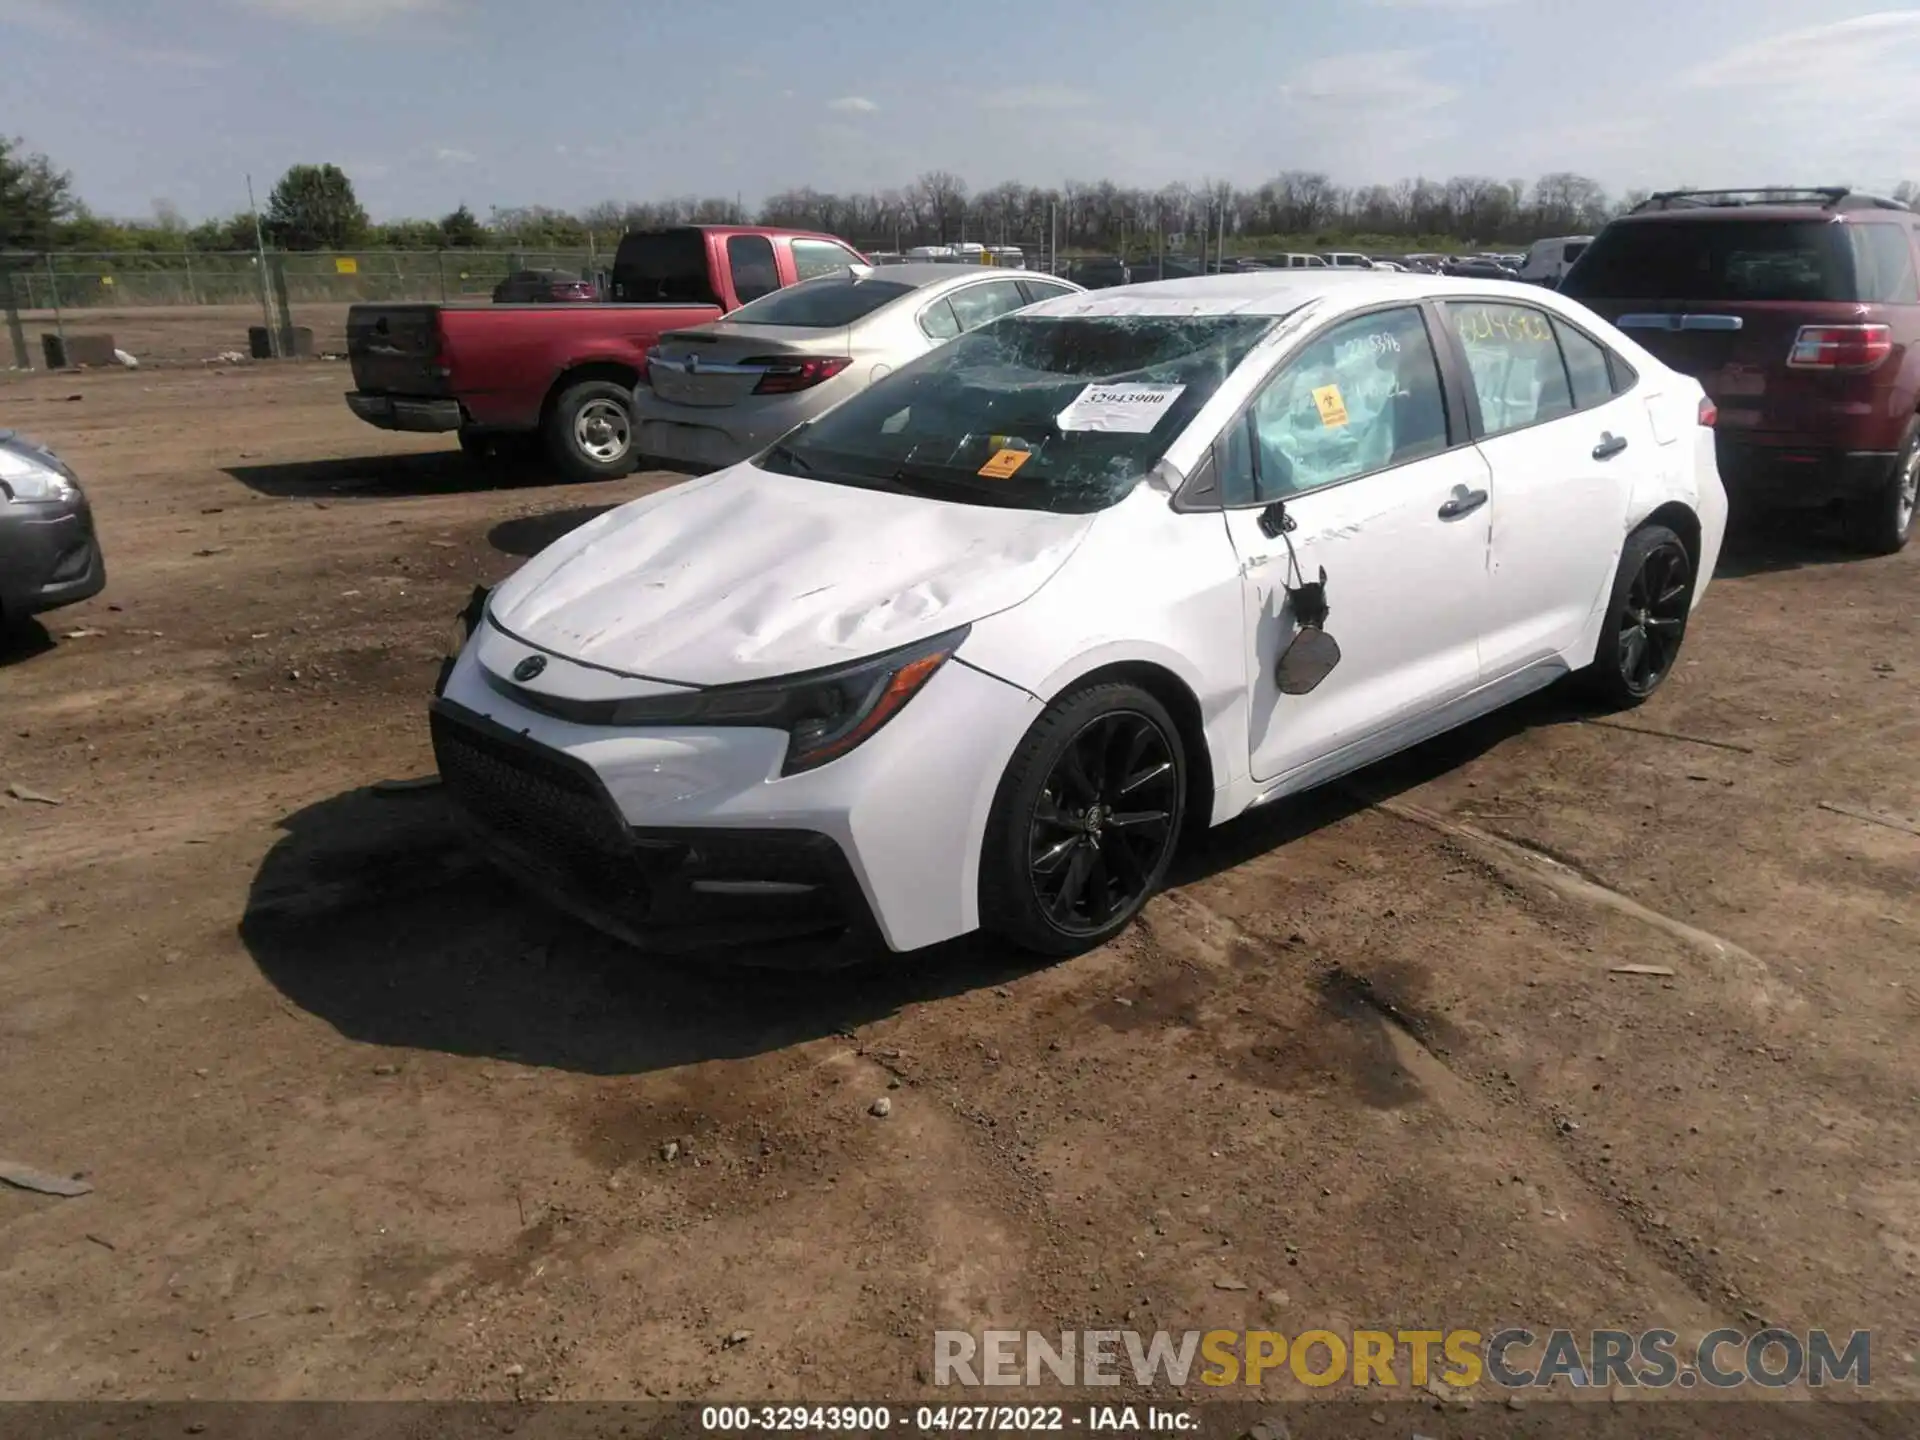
(554, 818)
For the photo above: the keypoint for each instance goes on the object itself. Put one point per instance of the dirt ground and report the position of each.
(362, 1122)
(173, 335)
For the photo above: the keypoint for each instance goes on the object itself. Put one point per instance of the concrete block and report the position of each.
(94, 349)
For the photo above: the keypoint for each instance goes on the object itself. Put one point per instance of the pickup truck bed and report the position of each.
(568, 371)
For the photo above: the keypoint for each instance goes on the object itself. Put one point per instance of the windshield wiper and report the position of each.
(922, 482)
(792, 457)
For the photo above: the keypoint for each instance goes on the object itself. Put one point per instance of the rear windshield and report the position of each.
(1037, 412)
(666, 265)
(1716, 260)
(824, 303)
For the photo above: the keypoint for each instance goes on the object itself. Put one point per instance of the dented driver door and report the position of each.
(1350, 444)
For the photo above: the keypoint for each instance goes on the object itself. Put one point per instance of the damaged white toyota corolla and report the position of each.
(971, 648)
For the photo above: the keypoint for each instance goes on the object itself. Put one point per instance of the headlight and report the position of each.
(825, 714)
(27, 477)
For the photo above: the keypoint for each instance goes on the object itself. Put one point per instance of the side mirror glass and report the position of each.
(1308, 659)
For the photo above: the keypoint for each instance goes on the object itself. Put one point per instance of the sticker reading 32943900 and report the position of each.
(1118, 409)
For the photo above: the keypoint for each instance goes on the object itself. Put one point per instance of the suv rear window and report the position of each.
(666, 265)
(1716, 260)
(824, 303)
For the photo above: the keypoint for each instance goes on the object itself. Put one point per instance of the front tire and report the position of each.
(1646, 619)
(1085, 821)
(590, 431)
(1880, 522)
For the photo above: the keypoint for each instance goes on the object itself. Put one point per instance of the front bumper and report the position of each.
(688, 840)
(397, 412)
(49, 556)
(1789, 476)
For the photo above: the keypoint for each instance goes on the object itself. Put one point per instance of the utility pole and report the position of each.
(260, 258)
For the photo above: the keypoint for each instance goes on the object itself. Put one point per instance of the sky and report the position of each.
(428, 104)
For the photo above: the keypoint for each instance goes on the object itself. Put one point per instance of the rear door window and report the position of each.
(1733, 260)
(751, 259)
(1514, 363)
(1883, 260)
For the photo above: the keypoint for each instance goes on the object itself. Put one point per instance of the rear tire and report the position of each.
(1880, 522)
(1646, 620)
(589, 431)
(1085, 821)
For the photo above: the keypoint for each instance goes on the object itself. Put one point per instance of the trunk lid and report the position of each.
(719, 365)
(394, 349)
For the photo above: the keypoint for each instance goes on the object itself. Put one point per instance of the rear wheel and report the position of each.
(590, 430)
(1084, 824)
(1646, 619)
(1880, 522)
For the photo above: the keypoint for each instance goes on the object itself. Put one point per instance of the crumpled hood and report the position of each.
(743, 575)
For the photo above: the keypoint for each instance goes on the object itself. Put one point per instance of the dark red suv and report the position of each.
(1799, 313)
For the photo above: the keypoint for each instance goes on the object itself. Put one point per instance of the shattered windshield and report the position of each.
(1041, 412)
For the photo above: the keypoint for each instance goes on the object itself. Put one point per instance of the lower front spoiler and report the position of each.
(765, 898)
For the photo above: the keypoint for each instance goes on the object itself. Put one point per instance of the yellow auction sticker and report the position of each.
(1333, 408)
(1004, 463)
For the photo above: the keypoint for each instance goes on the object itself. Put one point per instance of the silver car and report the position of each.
(718, 393)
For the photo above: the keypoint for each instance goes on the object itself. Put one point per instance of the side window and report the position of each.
(1514, 362)
(938, 322)
(1622, 374)
(975, 305)
(751, 259)
(1586, 367)
(1883, 263)
(819, 257)
(1363, 396)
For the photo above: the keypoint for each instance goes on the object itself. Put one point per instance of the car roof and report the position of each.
(1804, 214)
(1277, 292)
(920, 273)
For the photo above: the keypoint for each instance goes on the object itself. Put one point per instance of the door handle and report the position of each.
(1464, 502)
(1609, 446)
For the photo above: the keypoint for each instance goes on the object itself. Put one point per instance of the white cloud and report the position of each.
(1847, 52)
(1036, 97)
(1439, 4)
(449, 155)
(46, 18)
(853, 105)
(348, 14)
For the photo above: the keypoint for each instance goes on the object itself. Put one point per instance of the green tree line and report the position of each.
(314, 207)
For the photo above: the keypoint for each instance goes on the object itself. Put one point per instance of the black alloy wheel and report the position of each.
(1103, 823)
(1085, 822)
(1654, 619)
(1646, 618)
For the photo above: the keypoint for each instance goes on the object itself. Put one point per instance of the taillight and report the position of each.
(1840, 347)
(1709, 412)
(785, 375)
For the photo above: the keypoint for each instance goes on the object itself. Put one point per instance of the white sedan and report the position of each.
(976, 646)
(717, 393)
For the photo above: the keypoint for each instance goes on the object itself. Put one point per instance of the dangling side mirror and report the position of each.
(1312, 653)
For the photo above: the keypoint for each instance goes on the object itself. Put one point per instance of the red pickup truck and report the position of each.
(567, 372)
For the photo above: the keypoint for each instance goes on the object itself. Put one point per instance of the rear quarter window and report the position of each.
(1883, 260)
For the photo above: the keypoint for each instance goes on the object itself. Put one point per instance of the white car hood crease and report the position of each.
(746, 575)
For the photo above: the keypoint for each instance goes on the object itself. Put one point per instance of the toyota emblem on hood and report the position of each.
(528, 668)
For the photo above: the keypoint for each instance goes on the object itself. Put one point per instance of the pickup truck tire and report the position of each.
(589, 431)
(1880, 522)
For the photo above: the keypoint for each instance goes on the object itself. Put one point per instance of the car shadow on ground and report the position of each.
(433, 472)
(530, 534)
(1762, 545)
(370, 913)
(22, 641)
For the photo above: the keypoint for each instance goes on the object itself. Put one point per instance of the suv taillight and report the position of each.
(784, 375)
(1840, 347)
(1709, 412)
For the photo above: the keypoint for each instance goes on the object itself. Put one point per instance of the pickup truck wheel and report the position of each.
(1880, 522)
(590, 431)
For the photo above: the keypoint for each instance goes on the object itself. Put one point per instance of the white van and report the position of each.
(1548, 260)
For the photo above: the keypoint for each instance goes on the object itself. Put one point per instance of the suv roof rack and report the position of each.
(1827, 197)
